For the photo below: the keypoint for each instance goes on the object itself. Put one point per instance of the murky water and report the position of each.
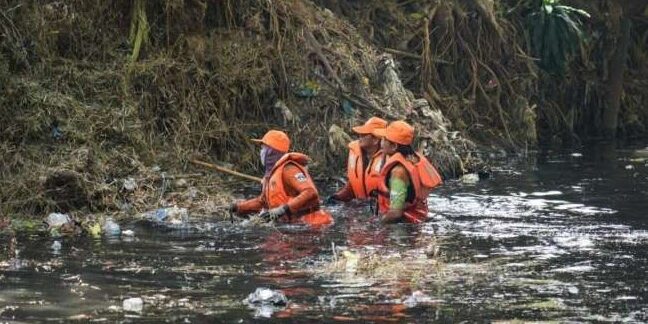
(559, 237)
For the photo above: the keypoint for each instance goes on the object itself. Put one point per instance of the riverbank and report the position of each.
(99, 96)
(94, 117)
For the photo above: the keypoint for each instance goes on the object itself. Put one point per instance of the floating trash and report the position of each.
(95, 230)
(469, 178)
(111, 228)
(416, 298)
(133, 305)
(57, 219)
(169, 216)
(128, 233)
(267, 296)
(56, 247)
(546, 193)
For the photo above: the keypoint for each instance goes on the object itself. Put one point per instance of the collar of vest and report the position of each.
(355, 147)
(299, 158)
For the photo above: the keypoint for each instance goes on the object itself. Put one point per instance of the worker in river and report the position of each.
(288, 193)
(363, 164)
(407, 176)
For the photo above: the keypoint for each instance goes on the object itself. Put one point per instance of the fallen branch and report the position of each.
(316, 49)
(226, 170)
(358, 101)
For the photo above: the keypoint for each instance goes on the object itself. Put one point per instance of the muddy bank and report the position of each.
(96, 96)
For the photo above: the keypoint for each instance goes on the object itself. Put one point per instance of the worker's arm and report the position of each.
(250, 206)
(345, 194)
(398, 183)
(296, 181)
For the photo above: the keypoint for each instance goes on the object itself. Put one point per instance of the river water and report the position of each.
(557, 237)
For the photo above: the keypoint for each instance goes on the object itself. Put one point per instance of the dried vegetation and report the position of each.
(97, 92)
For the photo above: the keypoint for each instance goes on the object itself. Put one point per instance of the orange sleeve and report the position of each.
(346, 193)
(296, 181)
(250, 206)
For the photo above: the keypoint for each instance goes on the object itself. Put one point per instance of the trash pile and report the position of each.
(311, 71)
(172, 217)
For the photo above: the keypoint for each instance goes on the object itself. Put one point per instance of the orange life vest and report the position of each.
(423, 178)
(275, 194)
(363, 180)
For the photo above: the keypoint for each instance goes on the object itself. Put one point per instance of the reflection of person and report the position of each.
(279, 247)
(407, 176)
(364, 163)
(288, 192)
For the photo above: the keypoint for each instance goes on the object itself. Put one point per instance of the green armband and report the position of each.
(397, 193)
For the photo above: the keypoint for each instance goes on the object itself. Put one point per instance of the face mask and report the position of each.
(264, 152)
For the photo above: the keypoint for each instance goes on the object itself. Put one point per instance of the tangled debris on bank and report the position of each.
(103, 103)
(84, 112)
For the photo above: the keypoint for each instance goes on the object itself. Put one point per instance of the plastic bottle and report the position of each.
(111, 228)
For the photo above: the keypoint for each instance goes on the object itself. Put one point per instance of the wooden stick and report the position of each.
(226, 170)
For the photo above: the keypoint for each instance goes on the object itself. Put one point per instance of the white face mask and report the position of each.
(264, 151)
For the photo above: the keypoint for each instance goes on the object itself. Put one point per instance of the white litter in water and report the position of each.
(568, 206)
(133, 305)
(583, 268)
(56, 246)
(128, 233)
(626, 298)
(470, 178)
(546, 193)
(629, 167)
(264, 311)
(57, 219)
(576, 154)
(578, 242)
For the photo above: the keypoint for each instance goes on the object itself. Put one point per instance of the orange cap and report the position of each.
(398, 132)
(372, 124)
(278, 140)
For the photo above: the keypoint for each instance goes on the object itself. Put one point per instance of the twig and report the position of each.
(413, 56)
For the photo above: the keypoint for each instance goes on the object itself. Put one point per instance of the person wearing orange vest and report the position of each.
(363, 164)
(407, 177)
(288, 193)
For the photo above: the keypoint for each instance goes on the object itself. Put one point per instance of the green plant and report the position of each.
(139, 28)
(555, 34)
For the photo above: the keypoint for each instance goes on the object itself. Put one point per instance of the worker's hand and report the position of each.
(274, 213)
(331, 200)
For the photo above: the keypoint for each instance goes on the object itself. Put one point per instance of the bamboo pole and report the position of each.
(225, 170)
